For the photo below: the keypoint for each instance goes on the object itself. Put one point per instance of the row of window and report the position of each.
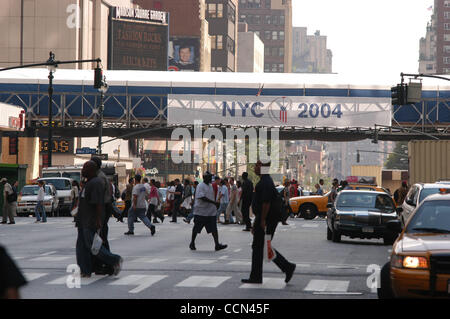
(274, 67)
(273, 51)
(215, 10)
(266, 19)
(219, 42)
(255, 3)
(447, 4)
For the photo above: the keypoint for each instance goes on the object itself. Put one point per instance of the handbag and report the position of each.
(96, 243)
(269, 252)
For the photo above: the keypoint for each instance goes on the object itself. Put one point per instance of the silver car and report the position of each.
(27, 200)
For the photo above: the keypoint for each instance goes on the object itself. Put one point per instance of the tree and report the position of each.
(395, 161)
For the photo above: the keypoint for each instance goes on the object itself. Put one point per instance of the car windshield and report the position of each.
(427, 192)
(431, 216)
(33, 190)
(76, 176)
(365, 200)
(60, 184)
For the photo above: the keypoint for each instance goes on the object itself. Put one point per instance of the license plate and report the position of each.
(367, 229)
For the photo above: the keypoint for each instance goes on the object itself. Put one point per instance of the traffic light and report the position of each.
(399, 94)
(98, 77)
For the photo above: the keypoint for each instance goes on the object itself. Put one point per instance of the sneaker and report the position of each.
(129, 233)
(220, 247)
(152, 230)
(118, 267)
(187, 221)
(11, 223)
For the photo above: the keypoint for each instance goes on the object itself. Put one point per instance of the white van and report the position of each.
(63, 187)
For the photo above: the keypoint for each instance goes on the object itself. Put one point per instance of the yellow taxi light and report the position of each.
(415, 262)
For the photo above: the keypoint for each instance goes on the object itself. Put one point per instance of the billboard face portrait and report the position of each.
(184, 55)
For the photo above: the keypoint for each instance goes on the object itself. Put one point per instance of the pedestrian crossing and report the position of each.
(138, 283)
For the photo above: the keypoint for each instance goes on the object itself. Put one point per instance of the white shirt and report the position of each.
(170, 196)
(225, 196)
(142, 192)
(201, 207)
(41, 194)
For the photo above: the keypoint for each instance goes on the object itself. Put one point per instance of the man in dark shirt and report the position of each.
(265, 223)
(89, 221)
(246, 198)
(178, 199)
(11, 279)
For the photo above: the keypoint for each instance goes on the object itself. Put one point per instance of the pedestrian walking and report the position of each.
(223, 199)
(170, 197)
(177, 200)
(11, 278)
(266, 220)
(205, 213)
(246, 198)
(89, 221)
(139, 207)
(286, 208)
(191, 214)
(333, 193)
(9, 202)
(233, 204)
(40, 209)
(153, 203)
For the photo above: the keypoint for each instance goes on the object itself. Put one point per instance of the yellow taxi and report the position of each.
(309, 207)
(419, 266)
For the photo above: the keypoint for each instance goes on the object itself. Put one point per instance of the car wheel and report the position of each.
(335, 236)
(385, 290)
(329, 234)
(308, 211)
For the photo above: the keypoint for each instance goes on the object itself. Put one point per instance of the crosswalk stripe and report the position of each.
(30, 276)
(310, 225)
(268, 283)
(51, 258)
(327, 285)
(84, 281)
(149, 260)
(240, 263)
(142, 282)
(198, 261)
(203, 281)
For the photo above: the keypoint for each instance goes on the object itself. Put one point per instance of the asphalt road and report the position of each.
(163, 267)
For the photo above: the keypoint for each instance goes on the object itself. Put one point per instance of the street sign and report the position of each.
(86, 150)
(103, 157)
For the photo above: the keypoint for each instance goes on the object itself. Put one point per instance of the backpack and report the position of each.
(11, 198)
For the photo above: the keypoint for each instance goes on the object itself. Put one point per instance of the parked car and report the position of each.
(361, 214)
(419, 265)
(416, 194)
(63, 187)
(27, 199)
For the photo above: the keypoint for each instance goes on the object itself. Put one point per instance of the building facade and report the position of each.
(251, 51)
(223, 29)
(310, 53)
(271, 20)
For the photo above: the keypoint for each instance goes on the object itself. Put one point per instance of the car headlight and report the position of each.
(409, 262)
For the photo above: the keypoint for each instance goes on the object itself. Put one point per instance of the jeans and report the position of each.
(233, 207)
(223, 209)
(40, 207)
(83, 251)
(140, 213)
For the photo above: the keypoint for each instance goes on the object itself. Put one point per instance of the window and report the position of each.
(230, 45)
(447, 48)
(281, 35)
(274, 51)
(282, 20)
(446, 26)
(268, 4)
(281, 67)
(275, 20)
(267, 35)
(212, 10)
(447, 4)
(266, 67)
(274, 68)
(446, 60)
(429, 67)
(274, 35)
(213, 42)
(242, 18)
(220, 10)
(267, 19)
(446, 37)
(281, 51)
(231, 14)
(257, 19)
(219, 42)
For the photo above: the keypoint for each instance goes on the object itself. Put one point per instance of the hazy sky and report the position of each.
(376, 39)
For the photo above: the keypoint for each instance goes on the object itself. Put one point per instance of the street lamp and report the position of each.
(51, 66)
(102, 89)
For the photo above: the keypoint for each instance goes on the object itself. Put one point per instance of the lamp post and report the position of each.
(102, 89)
(51, 66)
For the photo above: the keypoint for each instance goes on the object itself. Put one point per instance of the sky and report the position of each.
(369, 39)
